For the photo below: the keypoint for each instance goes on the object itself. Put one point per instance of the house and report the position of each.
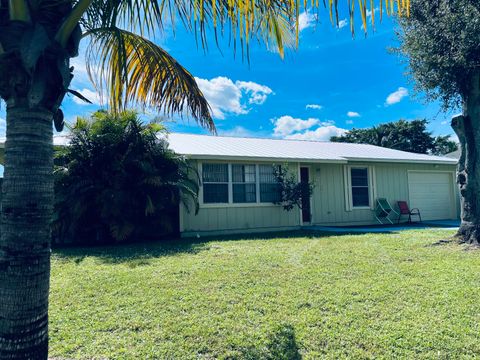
(238, 188)
(455, 154)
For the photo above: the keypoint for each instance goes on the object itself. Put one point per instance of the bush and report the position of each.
(117, 182)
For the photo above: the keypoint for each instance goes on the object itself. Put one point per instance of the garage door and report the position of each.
(432, 193)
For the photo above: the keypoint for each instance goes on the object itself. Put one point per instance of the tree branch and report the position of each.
(18, 10)
(71, 22)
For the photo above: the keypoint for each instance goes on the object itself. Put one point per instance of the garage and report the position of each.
(433, 194)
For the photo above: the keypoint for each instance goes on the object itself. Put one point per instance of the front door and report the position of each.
(304, 180)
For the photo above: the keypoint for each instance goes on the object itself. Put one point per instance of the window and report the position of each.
(360, 191)
(215, 183)
(239, 184)
(269, 188)
(244, 183)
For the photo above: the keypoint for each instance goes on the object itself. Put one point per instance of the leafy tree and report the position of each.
(37, 40)
(402, 135)
(291, 192)
(117, 181)
(440, 41)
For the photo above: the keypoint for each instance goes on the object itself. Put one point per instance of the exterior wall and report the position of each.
(238, 218)
(328, 203)
(391, 182)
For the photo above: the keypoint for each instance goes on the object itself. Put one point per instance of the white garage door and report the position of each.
(432, 193)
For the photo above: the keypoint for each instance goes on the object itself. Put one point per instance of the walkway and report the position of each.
(434, 224)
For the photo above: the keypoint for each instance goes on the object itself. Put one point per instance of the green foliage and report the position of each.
(291, 191)
(117, 181)
(402, 135)
(440, 41)
(369, 296)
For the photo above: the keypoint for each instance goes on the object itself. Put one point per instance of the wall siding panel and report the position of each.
(328, 201)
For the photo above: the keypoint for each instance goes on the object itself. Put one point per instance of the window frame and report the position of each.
(259, 183)
(201, 195)
(349, 187)
(255, 166)
(230, 203)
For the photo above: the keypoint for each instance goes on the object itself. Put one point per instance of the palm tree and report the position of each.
(37, 40)
(116, 181)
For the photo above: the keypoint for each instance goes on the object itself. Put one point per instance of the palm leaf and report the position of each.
(134, 70)
(272, 21)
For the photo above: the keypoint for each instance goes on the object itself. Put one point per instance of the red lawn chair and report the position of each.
(405, 210)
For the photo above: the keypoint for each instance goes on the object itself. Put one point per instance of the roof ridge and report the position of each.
(255, 137)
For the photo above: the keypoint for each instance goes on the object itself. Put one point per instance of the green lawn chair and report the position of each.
(383, 209)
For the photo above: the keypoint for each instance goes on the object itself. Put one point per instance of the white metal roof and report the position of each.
(237, 148)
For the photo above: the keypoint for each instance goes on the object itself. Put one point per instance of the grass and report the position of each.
(351, 296)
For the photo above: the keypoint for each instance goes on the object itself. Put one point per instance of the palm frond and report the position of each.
(276, 21)
(18, 10)
(134, 70)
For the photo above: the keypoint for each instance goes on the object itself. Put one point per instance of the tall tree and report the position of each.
(402, 135)
(37, 40)
(440, 40)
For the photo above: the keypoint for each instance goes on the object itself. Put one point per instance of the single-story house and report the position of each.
(238, 187)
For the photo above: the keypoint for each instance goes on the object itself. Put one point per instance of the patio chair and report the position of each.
(405, 210)
(383, 209)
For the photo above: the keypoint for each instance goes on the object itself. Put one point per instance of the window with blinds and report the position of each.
(360, 191)
(269, 187)
(244, 184)
(239, 184)
(215, 183)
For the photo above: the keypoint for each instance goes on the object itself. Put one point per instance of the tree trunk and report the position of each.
(27, 203)
(467, 128)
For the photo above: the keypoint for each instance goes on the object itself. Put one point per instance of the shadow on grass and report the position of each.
(134, 254)
(281, 345)
(140, 254)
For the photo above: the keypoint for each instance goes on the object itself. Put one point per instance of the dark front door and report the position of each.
(304, 180)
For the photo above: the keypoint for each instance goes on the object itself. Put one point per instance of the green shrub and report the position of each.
(118, 181)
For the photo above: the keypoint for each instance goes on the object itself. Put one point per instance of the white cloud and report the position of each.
(306, 20)
(227, 97)
(445, 122)
(322, 133)
(353, 114)
(349, 122)
(342, 23)
(91, 95)
(258, 93)
(287, 125)
(396, 96)
(314, 106)
(80, 75)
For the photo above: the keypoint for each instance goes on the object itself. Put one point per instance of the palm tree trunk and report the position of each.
(25, 234)
(467, 128)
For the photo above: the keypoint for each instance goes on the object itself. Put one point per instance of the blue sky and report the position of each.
(331, 83)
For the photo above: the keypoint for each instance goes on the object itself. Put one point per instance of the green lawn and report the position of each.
(355, 296)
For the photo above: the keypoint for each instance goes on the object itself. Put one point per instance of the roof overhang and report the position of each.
(410, 161)
(263, 159)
